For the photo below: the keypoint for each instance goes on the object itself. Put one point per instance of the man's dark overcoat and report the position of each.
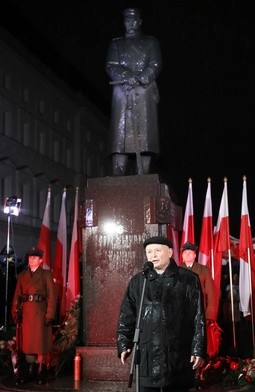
(36, 338)
(172, 325)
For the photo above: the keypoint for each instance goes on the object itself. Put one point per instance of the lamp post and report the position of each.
(11, 207)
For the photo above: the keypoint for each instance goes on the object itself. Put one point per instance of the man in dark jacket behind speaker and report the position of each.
(171, 333)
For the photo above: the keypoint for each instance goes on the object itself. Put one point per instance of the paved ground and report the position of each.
(66, 384)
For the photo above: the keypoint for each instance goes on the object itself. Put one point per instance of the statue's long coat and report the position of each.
(36, 338)
(134, 119)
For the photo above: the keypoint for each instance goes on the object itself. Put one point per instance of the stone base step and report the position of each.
(102, 363)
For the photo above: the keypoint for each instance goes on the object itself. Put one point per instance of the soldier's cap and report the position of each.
(158, 240)
(189, 245)
(35, 252)
(131, 13)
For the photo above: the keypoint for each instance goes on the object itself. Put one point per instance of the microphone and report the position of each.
(148, 266)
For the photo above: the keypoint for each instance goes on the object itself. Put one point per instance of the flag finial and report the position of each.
(244, 178)
(190, 180)
(208, 179)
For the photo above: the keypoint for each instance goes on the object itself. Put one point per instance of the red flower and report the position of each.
(234, 365)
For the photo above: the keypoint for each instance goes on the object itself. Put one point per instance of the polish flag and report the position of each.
(188, 233)
(205, 255)
(221, 240)
(246, 271)
(44, 237)
(73, 280)
(59, 270)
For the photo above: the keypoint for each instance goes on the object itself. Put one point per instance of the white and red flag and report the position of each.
(73, 280)
(205, 254)
(44, 242)
(246, 272)
(221, 240)
(59, 270)
(188, 233)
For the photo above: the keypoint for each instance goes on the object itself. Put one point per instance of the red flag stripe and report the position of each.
(221, 239)
(73, 281)
(44, 242)
(246, 271)
(59, 271)
(188, 233)
(206, 237)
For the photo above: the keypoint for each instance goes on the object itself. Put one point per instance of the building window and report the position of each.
(25, 134)
(6, 81)
(41, 106)
(68, 125)
(25, 95)
(56, 150)
(42, 143)
(69, 160)
(56, 117)
(7, 124)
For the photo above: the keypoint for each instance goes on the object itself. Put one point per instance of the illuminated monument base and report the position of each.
(117, 215)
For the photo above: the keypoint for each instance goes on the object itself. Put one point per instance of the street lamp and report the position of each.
(11, 207)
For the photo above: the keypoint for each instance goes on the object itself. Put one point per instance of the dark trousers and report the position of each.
(165, 389)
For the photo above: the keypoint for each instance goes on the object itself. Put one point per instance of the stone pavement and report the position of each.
(65, 383)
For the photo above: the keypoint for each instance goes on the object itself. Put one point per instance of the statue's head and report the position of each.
(132, 20)
(131, 13)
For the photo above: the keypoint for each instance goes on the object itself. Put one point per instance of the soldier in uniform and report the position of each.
(133, 63)
(33, 310)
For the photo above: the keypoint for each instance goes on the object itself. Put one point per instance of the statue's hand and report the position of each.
(132, 81)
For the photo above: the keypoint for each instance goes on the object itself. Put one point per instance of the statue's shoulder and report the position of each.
(118, 39)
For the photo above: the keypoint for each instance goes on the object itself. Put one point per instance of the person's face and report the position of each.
(132, 25)
(34, 262)
(159, 255)
(188, 256)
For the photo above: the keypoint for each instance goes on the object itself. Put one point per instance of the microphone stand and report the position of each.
(136, 351)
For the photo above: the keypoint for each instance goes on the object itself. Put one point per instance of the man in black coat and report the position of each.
(171, 334)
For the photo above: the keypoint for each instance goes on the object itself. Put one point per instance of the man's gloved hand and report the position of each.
(48, 322)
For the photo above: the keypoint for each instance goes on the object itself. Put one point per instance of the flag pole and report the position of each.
(251, 301)
(246, 263)
(212, 263)
(232, 298)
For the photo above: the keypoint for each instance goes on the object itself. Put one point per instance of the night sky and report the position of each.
(206, 109)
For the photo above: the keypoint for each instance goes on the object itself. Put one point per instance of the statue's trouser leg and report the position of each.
(119, 164)
(146, 161)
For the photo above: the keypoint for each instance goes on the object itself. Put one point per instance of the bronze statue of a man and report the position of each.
(133, 63)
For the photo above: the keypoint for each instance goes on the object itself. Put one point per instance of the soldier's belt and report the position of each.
(33, 297)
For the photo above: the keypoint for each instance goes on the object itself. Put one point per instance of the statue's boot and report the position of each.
(119, 164)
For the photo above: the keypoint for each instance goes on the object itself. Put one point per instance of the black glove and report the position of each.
(48, 322)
